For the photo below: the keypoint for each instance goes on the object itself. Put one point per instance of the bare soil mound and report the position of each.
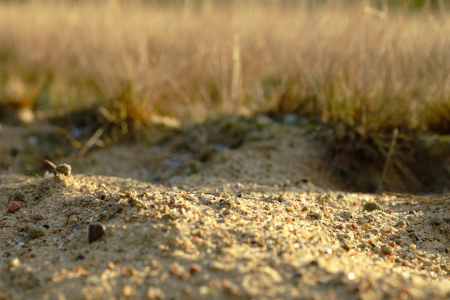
(260, 221)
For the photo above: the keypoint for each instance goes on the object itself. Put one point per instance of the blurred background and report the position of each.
(369, 79)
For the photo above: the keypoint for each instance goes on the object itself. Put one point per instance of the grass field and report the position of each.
(363, 69)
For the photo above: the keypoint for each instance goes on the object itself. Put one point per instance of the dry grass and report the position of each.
(370, 70)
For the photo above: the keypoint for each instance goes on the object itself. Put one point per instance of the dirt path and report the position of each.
(257, 222)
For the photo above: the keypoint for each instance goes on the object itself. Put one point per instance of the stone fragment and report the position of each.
(437, 221)
(371, 206)
(195, 268)
(95, 232)
(37, 217)
(13, 206)
(387, 250)
(401, 223)
(317, 216)
(118, 208)
(64, 169)
(73, 219)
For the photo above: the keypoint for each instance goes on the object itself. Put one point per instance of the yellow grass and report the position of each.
(368, 69)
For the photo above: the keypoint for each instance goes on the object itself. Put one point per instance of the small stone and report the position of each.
(317, 216)
(346, 245)
(437, 221)
(345, 236)
(37, 217)
(95, 232)
(13, 207)
(195, 268)
(387, 250)
(75, 226)
(73, 219)
(46, 225)
(35, 232)
(374, 231)
(118, 208)
(63, 234)
(80, 257)
(127, 291)
(401, 223)
(413, 247)
(14, 263)
(64, 169)
(371, 206)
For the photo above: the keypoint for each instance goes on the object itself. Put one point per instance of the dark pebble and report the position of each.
(63, 234)
(118, 208)
(412, 212)
(346, 245)
(317, 216)
(80, 257)
(437, 221)
(75, 226)
(46, 225)
(95, 232)
(410, 230)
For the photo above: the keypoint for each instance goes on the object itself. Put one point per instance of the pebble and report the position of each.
(37, 217)
(73, 219)
(437, 221)
(46, 225)
(64, 169)
(371, 206)
(346, 245)
(63, 234)
(95, 232)
(401, 223)
(344, 236)
(75, 226)
(195, 268)
(13, 207)
(35, 232)
(118, 208)
(374, 231)
(127, 291)
(387, 250)
(317, 216)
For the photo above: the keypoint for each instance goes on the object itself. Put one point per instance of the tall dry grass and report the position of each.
(367, 69)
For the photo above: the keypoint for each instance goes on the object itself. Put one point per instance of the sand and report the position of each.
(261, 221)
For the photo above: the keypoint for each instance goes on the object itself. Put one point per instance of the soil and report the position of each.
(253, 215)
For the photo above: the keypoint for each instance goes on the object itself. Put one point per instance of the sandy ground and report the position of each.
(261, 221)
